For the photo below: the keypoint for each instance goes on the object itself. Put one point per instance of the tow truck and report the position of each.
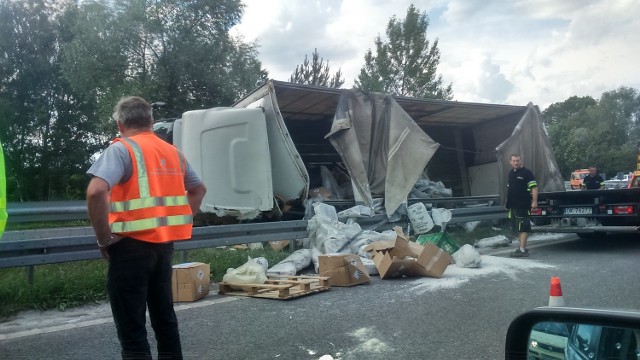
(590, 212)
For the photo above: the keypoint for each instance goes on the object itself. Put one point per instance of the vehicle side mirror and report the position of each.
(573, 333)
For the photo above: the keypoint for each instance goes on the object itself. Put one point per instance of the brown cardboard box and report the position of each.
(190, 281)
(343, 269)
(401, 257)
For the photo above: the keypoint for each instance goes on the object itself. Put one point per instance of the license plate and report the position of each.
(578, 211)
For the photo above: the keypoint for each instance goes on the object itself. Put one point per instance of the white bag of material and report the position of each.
(262, 261)
(250, 272)
(283, 269)
(440, 216)
(293, 263)
(494, 241)
(329, 211)
(358, 211)
(328, 236)
(314, 259)
(420, 219)
(369, 265)
(467, 257)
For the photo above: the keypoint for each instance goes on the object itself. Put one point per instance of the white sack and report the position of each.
(326, 210)
(419, 217)
(369, 265)
(250, 272)
(293, 263)
(494, 241)
(467, 257)
(440, 216)
(358, 211)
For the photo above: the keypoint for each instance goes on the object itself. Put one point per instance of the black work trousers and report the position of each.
(139, 276)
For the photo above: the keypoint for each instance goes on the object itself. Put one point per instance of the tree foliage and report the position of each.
(586, 132)
(65, 63)
(406, 62)
(316, 73)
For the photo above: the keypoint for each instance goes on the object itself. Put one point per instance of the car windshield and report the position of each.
(552, 328)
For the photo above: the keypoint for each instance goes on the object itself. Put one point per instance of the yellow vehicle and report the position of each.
(576, 178)
(635, 178)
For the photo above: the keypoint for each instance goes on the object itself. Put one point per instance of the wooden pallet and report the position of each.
(278, 287)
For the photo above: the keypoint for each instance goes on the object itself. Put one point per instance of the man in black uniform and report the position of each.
(592, 181)
(522, 196)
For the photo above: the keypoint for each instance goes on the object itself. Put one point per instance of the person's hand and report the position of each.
(534, 204)
(104, 250)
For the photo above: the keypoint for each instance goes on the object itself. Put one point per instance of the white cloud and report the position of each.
(501, 51)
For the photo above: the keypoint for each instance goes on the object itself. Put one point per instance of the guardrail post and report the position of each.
(30, 274)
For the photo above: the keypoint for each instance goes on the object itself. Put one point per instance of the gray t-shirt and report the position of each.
(115, 167)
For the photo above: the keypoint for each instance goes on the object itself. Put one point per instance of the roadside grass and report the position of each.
(45, 225)
(66, 285)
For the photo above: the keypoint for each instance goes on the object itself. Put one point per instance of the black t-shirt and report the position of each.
(592, 182)
(521, 181)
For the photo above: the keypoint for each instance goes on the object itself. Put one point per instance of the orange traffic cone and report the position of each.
(555, 293)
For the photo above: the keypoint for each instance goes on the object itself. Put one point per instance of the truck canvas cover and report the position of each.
(386, 141)
(529, 139)
(384, 150)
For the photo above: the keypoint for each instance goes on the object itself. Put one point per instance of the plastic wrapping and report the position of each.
(251, 272)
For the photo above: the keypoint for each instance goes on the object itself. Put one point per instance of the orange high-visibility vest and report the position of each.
(152, 205)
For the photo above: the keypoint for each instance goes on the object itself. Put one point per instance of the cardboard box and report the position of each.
(190, 281)
(401, 257)
(343, 269)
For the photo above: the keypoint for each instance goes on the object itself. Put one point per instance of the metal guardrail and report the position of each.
(29, 252)
(46, 211)
(49, 246)
(77, 210)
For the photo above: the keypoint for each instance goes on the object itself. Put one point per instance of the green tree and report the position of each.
(179, 52)
(406, 62)
(586, 132)
(65, 63)
(44, 148)
(566, 109)
(316, 73)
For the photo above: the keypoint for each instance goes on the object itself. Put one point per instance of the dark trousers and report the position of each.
(139, 276)
(520, 219)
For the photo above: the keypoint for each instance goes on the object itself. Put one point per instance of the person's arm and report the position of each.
(195, 196)
(534, 197)
(98, 209)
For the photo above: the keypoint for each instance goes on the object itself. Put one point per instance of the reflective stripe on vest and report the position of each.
(145, 224)
(151, 201)
(147, 201)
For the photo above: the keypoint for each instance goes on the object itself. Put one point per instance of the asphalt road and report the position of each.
(464, 315)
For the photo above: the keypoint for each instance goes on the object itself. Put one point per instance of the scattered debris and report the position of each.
(494, 241)
(467, 257)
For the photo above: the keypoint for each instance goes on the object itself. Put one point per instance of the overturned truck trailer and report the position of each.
(274, 143)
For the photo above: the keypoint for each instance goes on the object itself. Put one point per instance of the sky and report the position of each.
(492, 51)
